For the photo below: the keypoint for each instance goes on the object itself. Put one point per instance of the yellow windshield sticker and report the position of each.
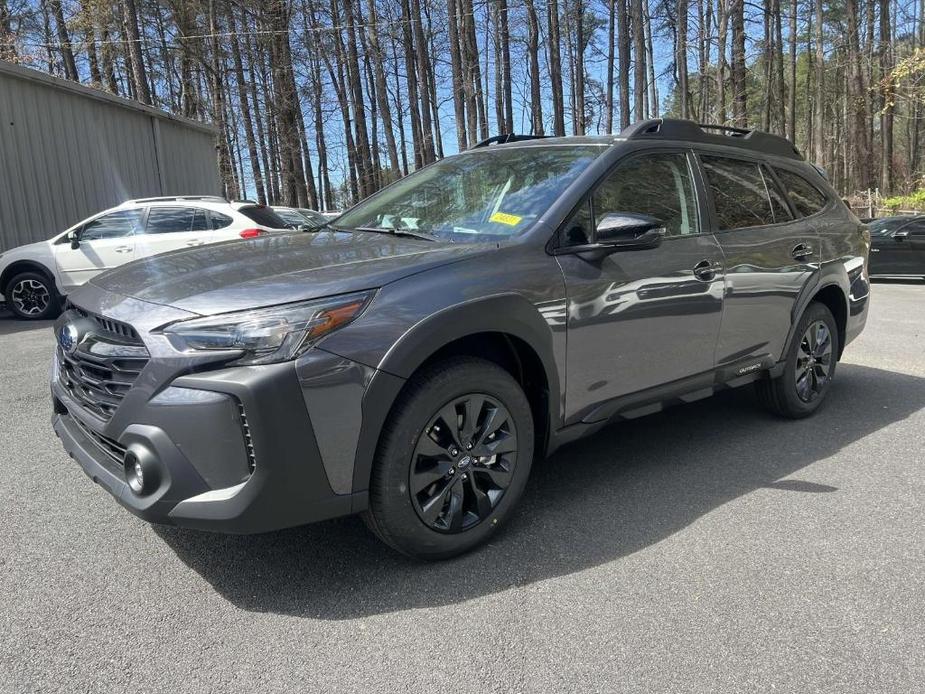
(505, 218)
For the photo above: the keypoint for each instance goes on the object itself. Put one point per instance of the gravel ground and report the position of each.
(708, 548)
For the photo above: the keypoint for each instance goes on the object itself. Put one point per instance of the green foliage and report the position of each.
(912, 201)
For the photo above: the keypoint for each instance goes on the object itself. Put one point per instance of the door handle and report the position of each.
(123, 249)
(195, 242)
(801, 250)
(706, 270)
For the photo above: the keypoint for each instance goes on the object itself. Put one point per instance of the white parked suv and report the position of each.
(35, 277)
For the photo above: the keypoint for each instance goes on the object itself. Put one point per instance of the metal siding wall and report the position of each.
(65, 156)
(189, 162)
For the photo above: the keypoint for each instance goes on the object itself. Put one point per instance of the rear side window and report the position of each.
(112, 225)
(219, 220)
(264, 216)
(740, 193)
(807, 199)
(167, 220)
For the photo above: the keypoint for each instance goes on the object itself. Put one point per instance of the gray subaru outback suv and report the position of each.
(410, 361)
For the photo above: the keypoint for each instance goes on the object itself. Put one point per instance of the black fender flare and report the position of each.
(508, 314)
(831, 274)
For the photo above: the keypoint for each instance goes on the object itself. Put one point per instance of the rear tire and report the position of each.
(32, 296)
(453, 459)
(809, 367)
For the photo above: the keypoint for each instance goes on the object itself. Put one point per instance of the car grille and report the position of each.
(104, 366)
(113, 451)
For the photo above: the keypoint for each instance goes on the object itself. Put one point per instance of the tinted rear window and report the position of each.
(264, 216)
(740, 195)
(806, 198)
(167, 220)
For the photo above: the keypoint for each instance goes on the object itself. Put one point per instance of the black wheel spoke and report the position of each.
(814, 361)
(454, 512)
(432, 510)
(482, 502)
(462, 463)
(499, 476)
(422, 479)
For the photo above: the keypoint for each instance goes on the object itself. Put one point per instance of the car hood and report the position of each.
(278, 269)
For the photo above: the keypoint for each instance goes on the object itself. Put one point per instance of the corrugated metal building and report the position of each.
(67, 151)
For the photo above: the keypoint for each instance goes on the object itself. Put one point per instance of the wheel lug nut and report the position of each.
(452, 470)
(453, 451)
(465, 476)
(468, 446)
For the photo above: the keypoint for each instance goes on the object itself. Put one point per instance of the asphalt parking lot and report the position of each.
(708, 548)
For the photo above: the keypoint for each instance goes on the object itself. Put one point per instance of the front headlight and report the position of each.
(268, 335)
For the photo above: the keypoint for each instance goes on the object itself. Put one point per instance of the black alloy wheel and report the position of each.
(814, 361)
(463, 463)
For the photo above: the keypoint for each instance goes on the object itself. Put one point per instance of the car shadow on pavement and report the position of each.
(9, 324)
(624, 489)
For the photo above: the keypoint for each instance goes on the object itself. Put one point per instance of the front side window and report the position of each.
(489, 193)
(740, 194)
(806, 198)
(113, 225)
(658, 185)
(168, 220)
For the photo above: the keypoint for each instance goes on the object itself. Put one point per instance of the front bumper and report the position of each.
(235, 448)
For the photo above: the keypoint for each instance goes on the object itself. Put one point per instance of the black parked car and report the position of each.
(408, 362)
(897, 246)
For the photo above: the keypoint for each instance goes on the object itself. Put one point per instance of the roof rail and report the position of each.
(677, 129)
(503, 139)
(168, 198)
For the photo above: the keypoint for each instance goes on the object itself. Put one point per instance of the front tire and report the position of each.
(452, 461)
(32, 296)
(809, 368)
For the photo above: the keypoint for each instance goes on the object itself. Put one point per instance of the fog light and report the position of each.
(141, 472)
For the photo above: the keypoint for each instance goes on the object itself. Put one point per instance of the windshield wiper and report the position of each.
(410, 233)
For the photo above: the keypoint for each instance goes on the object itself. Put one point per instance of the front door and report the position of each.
(770, 255)
(640, 319)
(902, 252)
(105, 242)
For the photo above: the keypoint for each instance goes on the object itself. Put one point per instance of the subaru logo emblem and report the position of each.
(68, 337)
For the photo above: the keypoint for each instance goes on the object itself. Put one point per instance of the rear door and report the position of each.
(104, 242)
(770, 255)
(172, 228)
(916, 239)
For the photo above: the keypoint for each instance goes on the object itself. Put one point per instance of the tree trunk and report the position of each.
(244, 105)
(722, 7)
(555, 70)
(139, 75)
(857, 133)
(639, 65)
(456, 70)
(382, 95)
(739, 99)
(681, 60)
(623, 55)
(611, 58)
(536, 97)
(819, 100)
(64, 42)
(887, 96)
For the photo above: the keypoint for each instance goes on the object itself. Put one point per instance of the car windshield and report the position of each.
(482, 195)
(291, 217)
(882, 227)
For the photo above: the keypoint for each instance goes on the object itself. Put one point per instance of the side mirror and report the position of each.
(901, 235)
(74, 238)
(628, 231)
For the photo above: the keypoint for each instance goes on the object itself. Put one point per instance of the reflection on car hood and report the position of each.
(277, 269)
